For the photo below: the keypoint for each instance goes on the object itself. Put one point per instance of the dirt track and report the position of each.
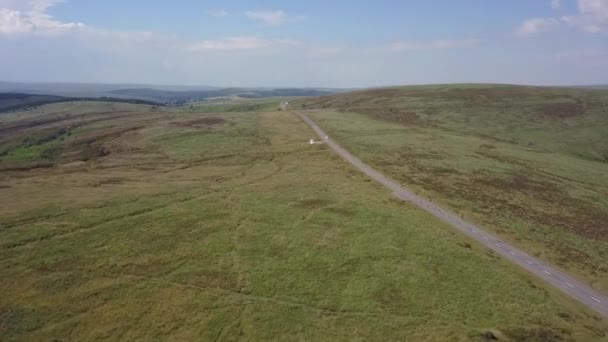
(558, 279)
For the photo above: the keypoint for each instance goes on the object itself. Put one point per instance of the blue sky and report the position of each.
(306, 43)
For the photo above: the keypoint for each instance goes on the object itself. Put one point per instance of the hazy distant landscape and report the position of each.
(161, 94)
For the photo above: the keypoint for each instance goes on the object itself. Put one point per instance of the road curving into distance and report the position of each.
(564, 282)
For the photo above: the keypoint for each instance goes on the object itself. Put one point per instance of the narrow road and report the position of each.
(566, 283)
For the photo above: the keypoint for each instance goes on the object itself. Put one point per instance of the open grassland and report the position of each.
(527, 163)
(137, 223)
(223, 105)
(561, 120)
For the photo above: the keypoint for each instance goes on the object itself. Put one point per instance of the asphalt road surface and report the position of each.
(566, 283)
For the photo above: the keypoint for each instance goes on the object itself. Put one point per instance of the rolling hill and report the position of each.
(200, 95)
(155, 93)
(133, 222)
(67, 89)
(568, 120)
(19, 101)
(528, 163)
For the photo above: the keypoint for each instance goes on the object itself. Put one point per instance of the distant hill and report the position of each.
(286, 93)
(200, 95)
(157, 93)
(20, 101)
(83, 89)
(170, 96)
(599, 86)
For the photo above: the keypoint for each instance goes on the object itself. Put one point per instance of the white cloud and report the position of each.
(592, 16)
(268, 17)
(29, 5)
(556, 4)
(11, 22)
(217, 13)
(535, 26)
(433, 45)
(241, 43)
(232, 44)
(31, 17)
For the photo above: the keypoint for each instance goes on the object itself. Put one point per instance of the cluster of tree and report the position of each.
(18, 101)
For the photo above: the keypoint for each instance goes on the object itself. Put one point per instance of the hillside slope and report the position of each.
(573, 121)
(20, 101)
(529, 164)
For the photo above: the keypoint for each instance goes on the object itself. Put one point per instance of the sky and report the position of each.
(313, 43)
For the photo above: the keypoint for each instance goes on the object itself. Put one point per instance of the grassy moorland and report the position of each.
(125, 222)
(529, 163)
(223, 105)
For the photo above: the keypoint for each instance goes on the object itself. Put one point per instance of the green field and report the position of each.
(158, 224)
(528, 163)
